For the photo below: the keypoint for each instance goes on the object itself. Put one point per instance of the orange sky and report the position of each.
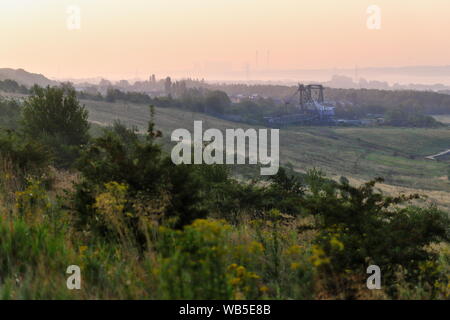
(122, 39)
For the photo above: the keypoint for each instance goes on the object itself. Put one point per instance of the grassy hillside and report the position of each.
(397, 154)
(136, 226)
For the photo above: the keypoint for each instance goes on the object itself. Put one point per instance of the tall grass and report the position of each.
(264, 258)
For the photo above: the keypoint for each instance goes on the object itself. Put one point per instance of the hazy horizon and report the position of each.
(221, 40)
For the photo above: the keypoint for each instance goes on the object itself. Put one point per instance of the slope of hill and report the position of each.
(26, 78)
(396, 154)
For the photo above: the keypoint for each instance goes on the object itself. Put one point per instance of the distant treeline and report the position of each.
(381, 101)
(370, 100)
(13, 87)
(404, 108)
(213, 102)
(399, 108)
(407, 116)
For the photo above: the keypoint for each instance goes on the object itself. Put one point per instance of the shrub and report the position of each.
(26, 156)
(194, 262)
(31, 253)
(20, 160)
(154, 185)
(358, 226)
(410, 117)
(9, 113)
(55, 117)
(285, 268)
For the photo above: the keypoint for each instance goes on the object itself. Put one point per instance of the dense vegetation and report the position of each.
(410, 117)
(376, 101)
(141, 227)
(9, 113)
(12, 86)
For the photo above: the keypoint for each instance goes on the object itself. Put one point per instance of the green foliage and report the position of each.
(268, 257)
(194, 262)
(359, 226)
(405, 116)
(55, 117)
(380, 101)
(25, 157)
(9, 113)
(121, 156)
(141, 227)
(12, 86)
(286, 267)
(217, 102)
(33, 245)
(113, 95)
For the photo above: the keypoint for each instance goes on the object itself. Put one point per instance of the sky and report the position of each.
(218, 38)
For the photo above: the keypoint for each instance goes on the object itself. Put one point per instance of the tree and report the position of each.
(9, 113)
(410, 117)
(217, 102)
(168, 86)
(54, 116)
(154, 185)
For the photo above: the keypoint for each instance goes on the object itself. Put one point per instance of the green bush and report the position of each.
(54, 116)
(194, 262)
(358, 226)
(20, 160)
(155, 186)
(410, 117)
(286, 268)
(25, 155)
(9, 114)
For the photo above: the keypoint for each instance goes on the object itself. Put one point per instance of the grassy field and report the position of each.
(396, 154)
(361, 153)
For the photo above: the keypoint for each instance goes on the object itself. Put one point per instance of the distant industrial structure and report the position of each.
(309, 108)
